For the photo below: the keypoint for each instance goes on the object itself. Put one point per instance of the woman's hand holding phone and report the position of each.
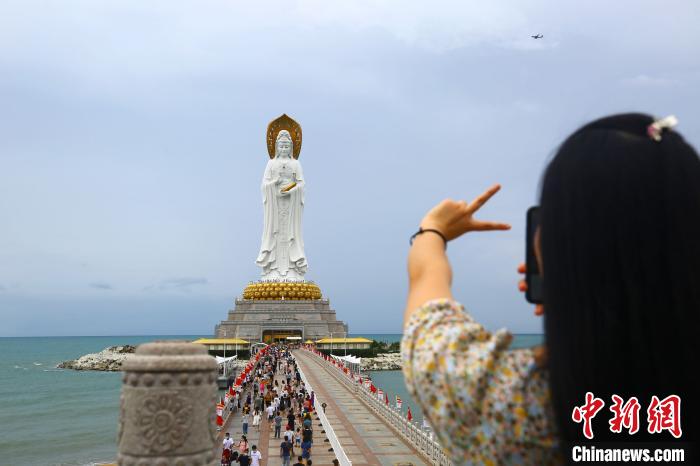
(538, 352)
(522, 286)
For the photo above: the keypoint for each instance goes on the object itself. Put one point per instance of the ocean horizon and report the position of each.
(51, 416)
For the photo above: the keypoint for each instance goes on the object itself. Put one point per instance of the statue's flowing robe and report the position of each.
(268, 249)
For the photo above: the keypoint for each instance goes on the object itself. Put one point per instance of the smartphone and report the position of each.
(533, 278)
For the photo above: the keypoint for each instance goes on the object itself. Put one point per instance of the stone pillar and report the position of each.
(168, 401)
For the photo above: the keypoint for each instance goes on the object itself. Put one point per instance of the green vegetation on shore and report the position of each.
(375, 348)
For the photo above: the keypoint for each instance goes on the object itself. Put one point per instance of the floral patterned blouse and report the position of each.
(488, 404)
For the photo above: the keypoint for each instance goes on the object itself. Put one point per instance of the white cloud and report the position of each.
(644, 80)
(182, 283)
(434, 26)
(100, 285)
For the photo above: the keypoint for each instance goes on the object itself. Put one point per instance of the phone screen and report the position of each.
(533, 278)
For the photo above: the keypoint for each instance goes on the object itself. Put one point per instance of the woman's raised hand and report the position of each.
(454, 218)
(522, 286)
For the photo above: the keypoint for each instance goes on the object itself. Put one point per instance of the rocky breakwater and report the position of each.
(109, 359)
(383, 362)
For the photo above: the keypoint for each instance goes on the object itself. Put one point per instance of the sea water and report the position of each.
(51, 416)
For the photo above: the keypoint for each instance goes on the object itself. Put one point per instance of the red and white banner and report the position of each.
(219, 414)
(380, 394)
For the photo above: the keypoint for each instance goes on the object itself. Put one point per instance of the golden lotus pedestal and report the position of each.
(282, 291)
(289, 311)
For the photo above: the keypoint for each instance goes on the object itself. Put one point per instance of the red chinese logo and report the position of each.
(625, 415)
(665, 415)
(587, 412)
(661, 415)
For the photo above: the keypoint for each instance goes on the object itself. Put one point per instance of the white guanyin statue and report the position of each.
(281, 254)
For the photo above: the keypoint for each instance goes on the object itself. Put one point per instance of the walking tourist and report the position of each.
(256, 420)
(255, 456)
(270, 412)
(228, 442)
(300, 461)
(286, 451)
(290, 418)
(297, 437)
(289, 433)
(306, 449)
(244, 458)
(278, 424)
(307, 434)
(242, 444)
(617, 244)
(244, 421)
(226, 452)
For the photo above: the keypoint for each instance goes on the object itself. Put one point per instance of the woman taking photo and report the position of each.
(618, 247)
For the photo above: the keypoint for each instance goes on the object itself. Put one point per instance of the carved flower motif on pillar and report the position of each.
(165, 421)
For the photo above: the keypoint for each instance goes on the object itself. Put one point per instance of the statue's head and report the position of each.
(283, 144)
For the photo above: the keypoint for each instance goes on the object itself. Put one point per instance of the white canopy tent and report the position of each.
(350, 361)
(221, 360)
(226, 363)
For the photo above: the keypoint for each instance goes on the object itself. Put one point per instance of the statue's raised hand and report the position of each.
(454, 218)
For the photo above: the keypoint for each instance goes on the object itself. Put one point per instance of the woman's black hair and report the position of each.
(620, 243)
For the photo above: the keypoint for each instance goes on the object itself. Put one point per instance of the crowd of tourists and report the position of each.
(275, 392)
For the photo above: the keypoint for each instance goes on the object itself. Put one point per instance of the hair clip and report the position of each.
(655, 129)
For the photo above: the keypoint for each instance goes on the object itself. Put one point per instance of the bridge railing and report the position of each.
(424, 441)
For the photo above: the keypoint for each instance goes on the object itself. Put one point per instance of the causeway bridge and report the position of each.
(356, 428)
(166, 417)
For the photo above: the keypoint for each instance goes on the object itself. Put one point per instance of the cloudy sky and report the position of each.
(132, 143)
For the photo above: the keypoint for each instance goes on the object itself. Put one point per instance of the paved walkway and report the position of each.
(270, 446)
(364, 436)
